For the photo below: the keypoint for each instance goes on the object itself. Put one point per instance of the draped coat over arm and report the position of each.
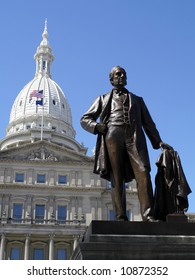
(172, 189)
(140, 122)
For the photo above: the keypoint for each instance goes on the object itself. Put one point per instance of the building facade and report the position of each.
(48, 191)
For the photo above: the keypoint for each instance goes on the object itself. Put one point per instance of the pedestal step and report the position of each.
(109, 240)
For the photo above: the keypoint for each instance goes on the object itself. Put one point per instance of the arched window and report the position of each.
(44, 65)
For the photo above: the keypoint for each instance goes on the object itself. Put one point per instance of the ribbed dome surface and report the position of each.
(55, 104)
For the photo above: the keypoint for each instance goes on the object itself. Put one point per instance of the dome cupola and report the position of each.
(41, 110)
(44, 55)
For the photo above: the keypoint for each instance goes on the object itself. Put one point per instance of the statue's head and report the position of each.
(118, 77)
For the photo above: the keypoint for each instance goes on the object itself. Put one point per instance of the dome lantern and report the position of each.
(44, 55)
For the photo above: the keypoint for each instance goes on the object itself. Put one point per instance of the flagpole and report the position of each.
(42, 124)
(42, 112)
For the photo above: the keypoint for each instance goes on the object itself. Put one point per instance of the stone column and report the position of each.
(93, 207)
(99, 209)
(2, 247)
(1, 202)
(27, 209)
(76, 238)
(72, 178)
(51, 209)
(51, 247)
(26, 248)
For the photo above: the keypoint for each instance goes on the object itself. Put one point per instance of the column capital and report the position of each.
(51, 236)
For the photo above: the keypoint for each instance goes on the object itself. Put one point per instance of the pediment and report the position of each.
(43, 151)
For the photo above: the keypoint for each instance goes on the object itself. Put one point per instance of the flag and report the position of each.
(39, 102)
(36, 93)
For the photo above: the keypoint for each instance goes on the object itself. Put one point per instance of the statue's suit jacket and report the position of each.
(139, 119)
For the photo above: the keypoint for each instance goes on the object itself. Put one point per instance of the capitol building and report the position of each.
(48, 191)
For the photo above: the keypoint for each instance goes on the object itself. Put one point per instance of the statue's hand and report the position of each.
(165, 146)
(101, 128)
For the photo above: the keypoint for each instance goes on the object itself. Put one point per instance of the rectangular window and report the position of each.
(17, 212)
(39, 213)
(128, 215)
(19, 177)
(62, 179)
(62, 210)
(61, 254)
(15, 253)
(41, 178)
(38, 254)
(109, 185)
(111, 215)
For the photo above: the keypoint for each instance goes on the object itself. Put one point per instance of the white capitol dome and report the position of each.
(51, 121)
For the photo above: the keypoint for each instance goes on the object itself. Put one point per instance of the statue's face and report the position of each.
(119, 78)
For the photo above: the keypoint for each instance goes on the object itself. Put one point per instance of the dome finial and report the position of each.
(45, 34)
(45, 25)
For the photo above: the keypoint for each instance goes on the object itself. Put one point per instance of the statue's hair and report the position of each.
(113, 70)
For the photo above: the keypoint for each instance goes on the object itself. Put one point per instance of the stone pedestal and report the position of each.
(112, 240)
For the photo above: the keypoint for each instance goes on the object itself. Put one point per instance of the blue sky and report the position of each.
(153, 40)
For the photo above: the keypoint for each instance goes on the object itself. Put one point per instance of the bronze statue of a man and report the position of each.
(120, 119)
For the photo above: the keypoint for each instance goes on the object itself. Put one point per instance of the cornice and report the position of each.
(52, 188)
(49, 163)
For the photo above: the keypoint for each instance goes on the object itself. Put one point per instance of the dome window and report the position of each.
(54, 102)
(44, 64)
(63, 106)
(20, 102)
